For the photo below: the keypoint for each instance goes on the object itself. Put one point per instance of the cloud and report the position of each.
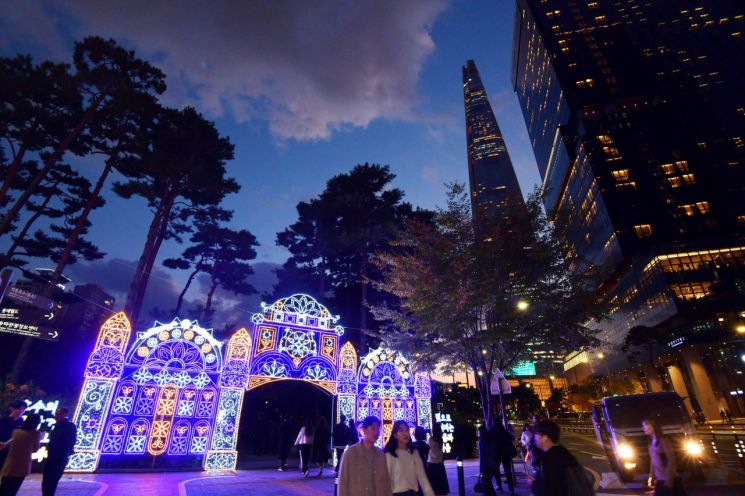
(114, 276)
(308, 68)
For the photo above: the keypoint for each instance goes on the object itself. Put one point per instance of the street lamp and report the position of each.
(740, 329)
(523, 305)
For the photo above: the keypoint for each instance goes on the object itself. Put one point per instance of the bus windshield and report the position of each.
(629, 411)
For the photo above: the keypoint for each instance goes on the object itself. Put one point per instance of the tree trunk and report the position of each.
(186, 288)
(51, 162)
(149, 254)
(12, 170)
(26, 227)
(80, 224)
(321, 278)
(208, 305)
(363, 305)
(137, 276)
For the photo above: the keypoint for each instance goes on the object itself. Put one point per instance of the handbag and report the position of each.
(479, 486)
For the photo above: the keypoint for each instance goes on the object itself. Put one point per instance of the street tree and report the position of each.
(59, 197)
(336, 236)
(104, 73)
(184, 169)
(483, 291)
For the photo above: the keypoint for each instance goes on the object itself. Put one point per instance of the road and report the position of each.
(590, 455)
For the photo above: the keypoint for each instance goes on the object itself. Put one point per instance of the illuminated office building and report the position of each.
(491, 176)
(636, 114)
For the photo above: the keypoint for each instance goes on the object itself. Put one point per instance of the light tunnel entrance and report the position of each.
(174, 397)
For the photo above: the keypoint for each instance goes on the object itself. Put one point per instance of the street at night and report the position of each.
(372, 247)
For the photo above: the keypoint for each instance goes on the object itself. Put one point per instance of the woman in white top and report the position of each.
(304, 443)
(405, 466)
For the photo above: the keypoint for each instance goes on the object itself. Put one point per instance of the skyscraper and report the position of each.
(636, 114)
(492, 178)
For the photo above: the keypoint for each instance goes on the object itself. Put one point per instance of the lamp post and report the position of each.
(601, 356)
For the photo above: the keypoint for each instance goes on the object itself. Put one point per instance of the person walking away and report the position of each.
(61, 446)
(9, 423)
(504, 450)
(340, 439)
(283, 443)
(23, 443)
(436, 463)
(321, 442)
(487, 461)
(304, 443)
(560, 473)
(405, 466)
(662, 464)
(729, 416)
(363, 470)
(354, 435)
(420, 443)
(723, 414)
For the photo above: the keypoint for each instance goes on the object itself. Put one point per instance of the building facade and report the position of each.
(636, 114)
(491, 175)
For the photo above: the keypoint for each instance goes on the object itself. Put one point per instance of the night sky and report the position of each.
(305, 90)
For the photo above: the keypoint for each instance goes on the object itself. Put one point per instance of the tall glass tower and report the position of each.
(492, 178)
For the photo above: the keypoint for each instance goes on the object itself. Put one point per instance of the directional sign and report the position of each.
(29, 330)
(29, 315)
(29, 298)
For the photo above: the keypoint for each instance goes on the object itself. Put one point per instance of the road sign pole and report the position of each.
(5, 277)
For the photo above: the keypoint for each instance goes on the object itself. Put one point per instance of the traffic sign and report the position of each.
(28, 298)
(29, 330)
(28, 314)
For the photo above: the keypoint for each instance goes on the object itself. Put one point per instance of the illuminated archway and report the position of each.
(176, 395)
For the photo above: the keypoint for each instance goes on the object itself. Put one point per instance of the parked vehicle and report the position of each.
(617, 421)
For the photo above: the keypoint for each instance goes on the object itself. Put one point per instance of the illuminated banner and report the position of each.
(448, 429)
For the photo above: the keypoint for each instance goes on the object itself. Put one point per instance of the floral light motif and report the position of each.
(297, 344)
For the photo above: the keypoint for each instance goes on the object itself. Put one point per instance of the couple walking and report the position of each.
(398, 470)
(313, 445)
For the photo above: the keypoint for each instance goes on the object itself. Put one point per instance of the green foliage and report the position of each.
(457, 282)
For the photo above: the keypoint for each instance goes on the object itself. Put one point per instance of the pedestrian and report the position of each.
(354, 434)
(61, 446)
(723, 414)
(504, 450)
(304, 443)
(420, 443)
(321, 442)
(9, 423)
(729, 416)
(363, 470)
(283, 443)
(405, 466)
(662, 463)
(340, 439)
(526, 437)
(560, 473)
(22, 444)
(436, 463)
(487, 461)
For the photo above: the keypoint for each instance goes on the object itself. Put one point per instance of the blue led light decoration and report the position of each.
(173, 398)
(389, 389)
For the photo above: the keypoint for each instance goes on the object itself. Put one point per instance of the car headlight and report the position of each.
(693, 448)
(625, 451)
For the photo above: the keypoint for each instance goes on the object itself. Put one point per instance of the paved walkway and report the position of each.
(265, 482)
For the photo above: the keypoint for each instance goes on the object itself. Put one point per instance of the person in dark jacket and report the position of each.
(283, 443)
(555, 462)
(10, 423)
(487, 461)
(340, 439)
(420, 443)
(61, 446)
(321, 441)
(504, 451)
(354, 433)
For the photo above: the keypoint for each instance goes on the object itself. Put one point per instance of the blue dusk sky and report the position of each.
(304, 89)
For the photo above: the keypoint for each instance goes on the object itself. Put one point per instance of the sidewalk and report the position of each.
(270, 482)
